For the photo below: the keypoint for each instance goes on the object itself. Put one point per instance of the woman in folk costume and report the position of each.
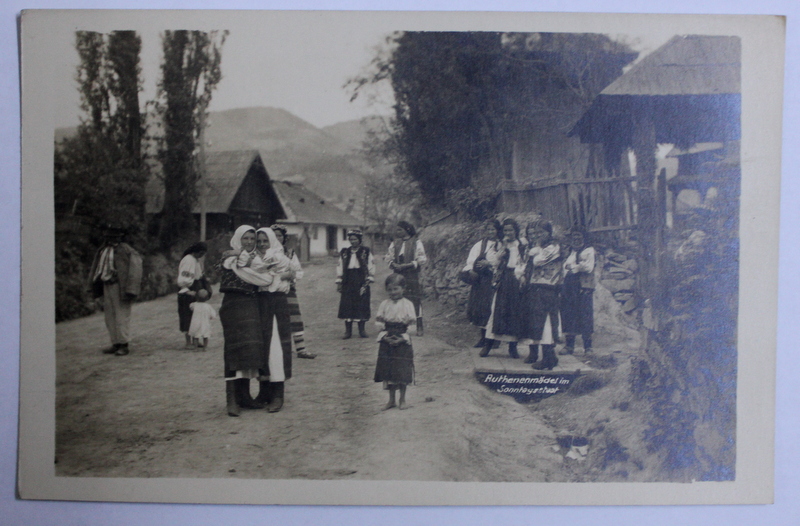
(406, 256)
(479, 265)
(577, 305)
(355, 271)
(541, 276)
(240, 316)
(503, 324)
(296, 318)
(190, 280)
(276, 326)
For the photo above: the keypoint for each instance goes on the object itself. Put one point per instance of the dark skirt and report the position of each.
(413, 290)
(506, 320)
(276, 304)
(537, 302)
(577, 307)
(184, 300)
(241, 327)
(184, 312)
(352, 304)
(479, 307)
(395, 363)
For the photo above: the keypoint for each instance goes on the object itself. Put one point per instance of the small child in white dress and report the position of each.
(202, 314)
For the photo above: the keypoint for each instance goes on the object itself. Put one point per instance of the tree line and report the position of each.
(101, 171)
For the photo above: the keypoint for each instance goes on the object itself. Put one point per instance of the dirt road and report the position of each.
(160, 412)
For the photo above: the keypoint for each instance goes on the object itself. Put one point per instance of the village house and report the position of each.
(236, 189)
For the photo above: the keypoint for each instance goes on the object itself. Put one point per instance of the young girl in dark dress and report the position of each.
(354, 274)
(395, 367)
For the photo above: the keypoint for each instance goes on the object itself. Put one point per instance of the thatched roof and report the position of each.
(225, 173)
(685, 65)
(304, 206)
(689, 87)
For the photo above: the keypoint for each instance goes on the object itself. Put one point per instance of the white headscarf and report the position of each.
(246, 274)
(275, 253)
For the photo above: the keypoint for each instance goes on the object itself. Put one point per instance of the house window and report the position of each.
(344, 234)
(314, 232)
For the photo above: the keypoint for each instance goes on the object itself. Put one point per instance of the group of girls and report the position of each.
(260, 315)
(525, 289)
(355, 272)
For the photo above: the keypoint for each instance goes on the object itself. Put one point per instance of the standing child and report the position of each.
(577, 305)
(202, 314)
(395, 367)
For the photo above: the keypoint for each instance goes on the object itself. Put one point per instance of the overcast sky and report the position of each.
(302, 70)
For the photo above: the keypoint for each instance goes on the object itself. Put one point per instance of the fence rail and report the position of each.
(599, 205)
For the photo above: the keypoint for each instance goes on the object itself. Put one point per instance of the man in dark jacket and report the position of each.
(116, 276)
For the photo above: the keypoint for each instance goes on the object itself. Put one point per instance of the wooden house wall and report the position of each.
(256, 198)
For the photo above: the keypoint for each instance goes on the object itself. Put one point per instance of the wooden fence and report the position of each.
(599, 205)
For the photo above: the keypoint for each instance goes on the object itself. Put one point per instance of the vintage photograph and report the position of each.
(301, 247)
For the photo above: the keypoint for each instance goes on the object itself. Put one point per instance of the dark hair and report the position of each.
(196, 248)
(545, 225)
(408, 227)
(279, 228)
(509, 221)
(498, 227)
(580, 230)
(395, 279)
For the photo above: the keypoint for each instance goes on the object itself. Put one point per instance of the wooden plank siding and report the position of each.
(599, 205)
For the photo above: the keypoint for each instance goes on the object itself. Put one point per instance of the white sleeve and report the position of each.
(420, 258)
(370, 268)
(389, 257)
(473, 256)
(296, 267)
(339, 269)
(585, 261)
(186, 272)
(545, 255)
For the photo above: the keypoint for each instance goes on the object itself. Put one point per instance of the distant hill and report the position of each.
(328, 161)
(353, 134)
(325, 161)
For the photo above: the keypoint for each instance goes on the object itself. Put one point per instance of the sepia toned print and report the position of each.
(531, 240)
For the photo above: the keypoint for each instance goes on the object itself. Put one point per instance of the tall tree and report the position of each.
(462, 99)
(190, 73)
(100, 174)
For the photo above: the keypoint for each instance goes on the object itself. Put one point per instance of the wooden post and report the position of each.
(202, 175)
(644, 146)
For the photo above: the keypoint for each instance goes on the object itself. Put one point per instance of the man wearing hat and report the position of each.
(406, 256)
(116, 276)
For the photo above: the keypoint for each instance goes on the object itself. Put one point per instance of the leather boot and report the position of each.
(549, 359)
(277, 397)
(486, 348)
(512, 350)
(245, 398)
(587, 344)
(348, 330)
(533, 355)
(420, 330)
(482, 341)
(362, 330)
(230, 397)
(569, 347)
(264, 396)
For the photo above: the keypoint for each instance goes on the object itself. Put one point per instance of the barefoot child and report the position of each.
(395, 367)
(202, 314)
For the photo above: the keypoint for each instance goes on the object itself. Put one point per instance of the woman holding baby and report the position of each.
(254, 278)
